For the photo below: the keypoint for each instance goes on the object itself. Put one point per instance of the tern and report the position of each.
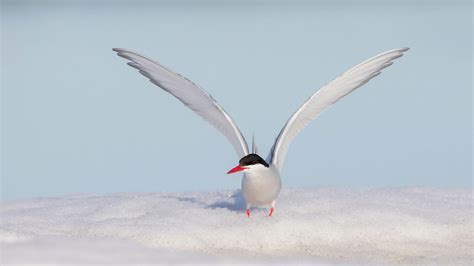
(261, 182)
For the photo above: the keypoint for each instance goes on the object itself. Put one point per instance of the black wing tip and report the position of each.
(122, 52)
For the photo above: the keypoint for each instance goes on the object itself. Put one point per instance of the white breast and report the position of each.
(261, 185)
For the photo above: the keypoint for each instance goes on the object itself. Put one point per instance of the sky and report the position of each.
(76, 119)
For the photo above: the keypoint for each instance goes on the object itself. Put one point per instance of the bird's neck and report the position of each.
(259, 171)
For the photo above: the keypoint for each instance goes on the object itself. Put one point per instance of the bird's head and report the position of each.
(248, 163)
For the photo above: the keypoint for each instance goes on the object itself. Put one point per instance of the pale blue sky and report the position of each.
(76, 119)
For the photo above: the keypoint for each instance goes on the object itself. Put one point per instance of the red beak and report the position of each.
(238, 168)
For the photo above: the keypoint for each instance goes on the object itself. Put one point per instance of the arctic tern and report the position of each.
(261, 182)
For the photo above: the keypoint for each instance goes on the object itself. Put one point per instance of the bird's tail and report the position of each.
(254, 146)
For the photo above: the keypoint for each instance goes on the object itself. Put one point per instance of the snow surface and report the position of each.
(324, 225)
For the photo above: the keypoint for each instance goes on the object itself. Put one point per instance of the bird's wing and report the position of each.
(325, 97)
(190, 94)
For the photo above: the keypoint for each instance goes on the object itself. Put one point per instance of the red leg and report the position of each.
(248, 213)
(271, 211)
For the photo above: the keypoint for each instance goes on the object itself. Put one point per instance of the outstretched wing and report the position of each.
(190, 94)
(325, 97)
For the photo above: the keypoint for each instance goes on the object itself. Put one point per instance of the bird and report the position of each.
(261, 181)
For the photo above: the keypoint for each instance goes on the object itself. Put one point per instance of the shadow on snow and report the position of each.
(234, 202)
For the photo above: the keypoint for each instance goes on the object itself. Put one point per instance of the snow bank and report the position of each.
(325, 225)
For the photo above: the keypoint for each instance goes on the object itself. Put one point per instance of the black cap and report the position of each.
(252, 159)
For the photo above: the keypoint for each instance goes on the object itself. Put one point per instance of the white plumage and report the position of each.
(190, 95)
(260, 184)
(327, 96)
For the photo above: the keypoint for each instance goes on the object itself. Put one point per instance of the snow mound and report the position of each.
(324, 225)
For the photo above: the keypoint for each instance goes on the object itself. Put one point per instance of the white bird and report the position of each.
(261, 182)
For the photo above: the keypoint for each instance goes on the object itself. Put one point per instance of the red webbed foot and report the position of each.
(271, 212)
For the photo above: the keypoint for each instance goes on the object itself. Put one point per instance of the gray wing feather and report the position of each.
(327, 96)
(190, 94)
